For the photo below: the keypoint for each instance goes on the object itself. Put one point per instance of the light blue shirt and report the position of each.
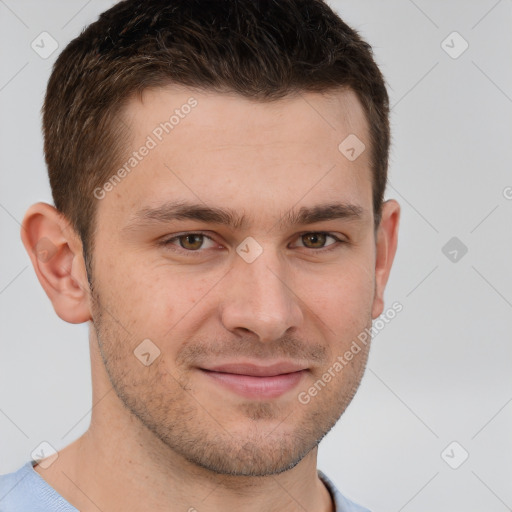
(25, 490)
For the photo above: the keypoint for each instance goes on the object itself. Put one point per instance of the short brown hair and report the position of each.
(260, 49)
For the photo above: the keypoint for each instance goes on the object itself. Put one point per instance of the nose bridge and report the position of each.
(260, 299)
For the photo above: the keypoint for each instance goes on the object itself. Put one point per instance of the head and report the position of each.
(218, 171)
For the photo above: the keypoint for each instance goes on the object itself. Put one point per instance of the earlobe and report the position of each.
(56, 254)
(387, 241)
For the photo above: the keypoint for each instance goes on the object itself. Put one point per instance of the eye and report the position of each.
(196, 243)
(190, 242)
(317, 240)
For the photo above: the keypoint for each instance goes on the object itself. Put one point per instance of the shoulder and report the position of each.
(342, 503)
(11, 485)
(25, 489)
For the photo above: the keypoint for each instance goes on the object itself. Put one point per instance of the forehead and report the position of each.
(218, 147)
(333, 110)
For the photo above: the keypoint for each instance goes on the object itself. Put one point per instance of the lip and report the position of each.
(255, 370)
(254, 381)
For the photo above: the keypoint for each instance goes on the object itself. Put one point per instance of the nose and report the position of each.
(260, 299)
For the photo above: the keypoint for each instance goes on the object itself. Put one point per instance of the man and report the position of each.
(218, 171)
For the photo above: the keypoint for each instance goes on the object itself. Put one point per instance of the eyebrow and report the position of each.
(180, 210)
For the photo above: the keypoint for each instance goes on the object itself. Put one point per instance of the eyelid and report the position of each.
(326, 233)
(167, 242)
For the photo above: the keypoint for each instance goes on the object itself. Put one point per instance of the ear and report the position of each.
(55, 250)
(387, 240)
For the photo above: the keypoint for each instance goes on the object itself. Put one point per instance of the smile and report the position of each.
(254, 386)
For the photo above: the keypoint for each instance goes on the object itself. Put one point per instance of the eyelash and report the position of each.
(167, 243)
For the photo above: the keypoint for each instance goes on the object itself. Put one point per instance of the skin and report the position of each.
(166, 436)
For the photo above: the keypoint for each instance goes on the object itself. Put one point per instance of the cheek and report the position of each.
(128, 292)
(343, 298)
(153, 299)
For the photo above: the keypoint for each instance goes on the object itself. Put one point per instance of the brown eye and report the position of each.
(319, 242)
(191, 242)
(314, 240)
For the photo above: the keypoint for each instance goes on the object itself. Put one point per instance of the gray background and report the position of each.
(439, 372)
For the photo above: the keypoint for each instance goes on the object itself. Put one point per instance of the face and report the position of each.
(241, 247)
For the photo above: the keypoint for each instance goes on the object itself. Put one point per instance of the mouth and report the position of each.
(254, 381)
